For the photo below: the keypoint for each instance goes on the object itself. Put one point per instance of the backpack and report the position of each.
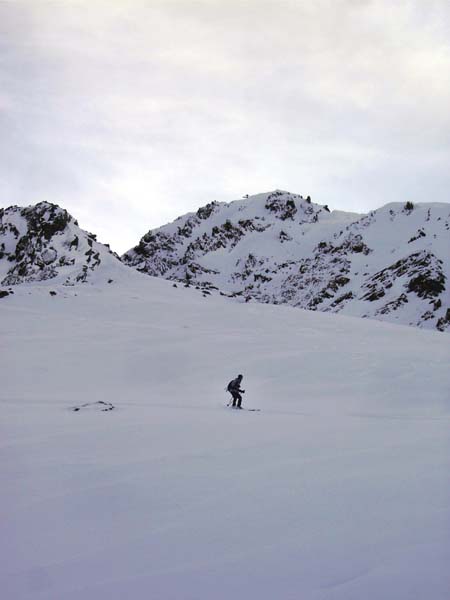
(230, 387)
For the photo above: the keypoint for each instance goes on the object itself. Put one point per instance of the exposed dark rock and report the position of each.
(99, 406)
(420, 233)
(281, 207)
(444, 322)
(284, 237)
(428, 284)
(393, 305)
(206, 211)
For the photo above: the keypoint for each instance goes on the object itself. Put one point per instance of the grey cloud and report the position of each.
(138, 111)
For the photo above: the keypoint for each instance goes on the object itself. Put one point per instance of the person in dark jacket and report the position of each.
(234, 387)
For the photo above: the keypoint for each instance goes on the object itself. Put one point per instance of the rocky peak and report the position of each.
(278, 247)
(43, 242)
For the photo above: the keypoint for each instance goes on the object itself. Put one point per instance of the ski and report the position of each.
(247, 409)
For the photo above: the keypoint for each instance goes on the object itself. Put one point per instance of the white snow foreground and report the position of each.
(337, 490)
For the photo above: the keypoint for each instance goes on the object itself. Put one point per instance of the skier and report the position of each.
(234, 387)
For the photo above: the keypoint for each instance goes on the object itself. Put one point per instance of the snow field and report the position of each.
(337, 490)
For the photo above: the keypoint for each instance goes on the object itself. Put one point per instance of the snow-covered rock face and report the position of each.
(392, 264)
(44, 242)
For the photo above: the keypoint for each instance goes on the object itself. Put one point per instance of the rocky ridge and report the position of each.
(43, 242)
(392, 264)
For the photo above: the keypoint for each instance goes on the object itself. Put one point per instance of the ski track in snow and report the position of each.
(337, 490)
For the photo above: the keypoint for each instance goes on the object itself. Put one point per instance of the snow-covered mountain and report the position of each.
(124, 474)
(45, 242)
(279, 248)
(392, 264)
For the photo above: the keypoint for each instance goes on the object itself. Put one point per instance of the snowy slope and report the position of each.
(280, 248)
(44, 242)
(337, 490)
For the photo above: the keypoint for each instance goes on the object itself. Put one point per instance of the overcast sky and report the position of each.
(131, 112)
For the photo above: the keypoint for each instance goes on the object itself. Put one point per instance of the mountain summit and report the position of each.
(45, 242)
(392, 264)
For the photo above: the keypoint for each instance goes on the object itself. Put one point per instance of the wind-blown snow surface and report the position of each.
(337, 490)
